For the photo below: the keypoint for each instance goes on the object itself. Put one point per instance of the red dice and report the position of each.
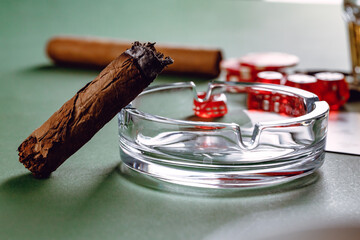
(305, 82)
(268, 61)
(334, 89)
(235, 73)
(214, 107)
(291, 106)
(274, 102)
(270, 77)
(246, 68)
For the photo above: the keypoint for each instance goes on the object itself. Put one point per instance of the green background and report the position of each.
(86, 198)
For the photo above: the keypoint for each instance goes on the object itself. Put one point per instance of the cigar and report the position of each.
(99, 52)
(77, 121)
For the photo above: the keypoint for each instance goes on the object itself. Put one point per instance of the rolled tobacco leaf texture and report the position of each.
(81, 117)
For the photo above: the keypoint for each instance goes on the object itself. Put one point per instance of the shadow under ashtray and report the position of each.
(341, 232)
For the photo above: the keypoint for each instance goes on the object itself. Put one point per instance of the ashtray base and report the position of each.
(155, 175)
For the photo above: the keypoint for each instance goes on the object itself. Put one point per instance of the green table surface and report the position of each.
(86, 198)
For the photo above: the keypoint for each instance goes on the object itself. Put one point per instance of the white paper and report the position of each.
(344, 133)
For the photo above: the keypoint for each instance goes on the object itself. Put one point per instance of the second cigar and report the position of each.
(99, 52)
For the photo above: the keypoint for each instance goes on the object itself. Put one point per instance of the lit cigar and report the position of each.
(99, 52)
(77, 121)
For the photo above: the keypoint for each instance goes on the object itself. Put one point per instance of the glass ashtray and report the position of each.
(268, 135)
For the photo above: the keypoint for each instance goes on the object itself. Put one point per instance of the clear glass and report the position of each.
(161, 138)
(352, 18)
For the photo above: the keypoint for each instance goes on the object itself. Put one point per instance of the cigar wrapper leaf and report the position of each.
(99, 52)
(81, 117)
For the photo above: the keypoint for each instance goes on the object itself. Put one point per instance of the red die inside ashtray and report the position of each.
(214, 107)
(274, 102)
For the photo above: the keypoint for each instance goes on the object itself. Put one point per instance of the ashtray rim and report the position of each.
(314, 108)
